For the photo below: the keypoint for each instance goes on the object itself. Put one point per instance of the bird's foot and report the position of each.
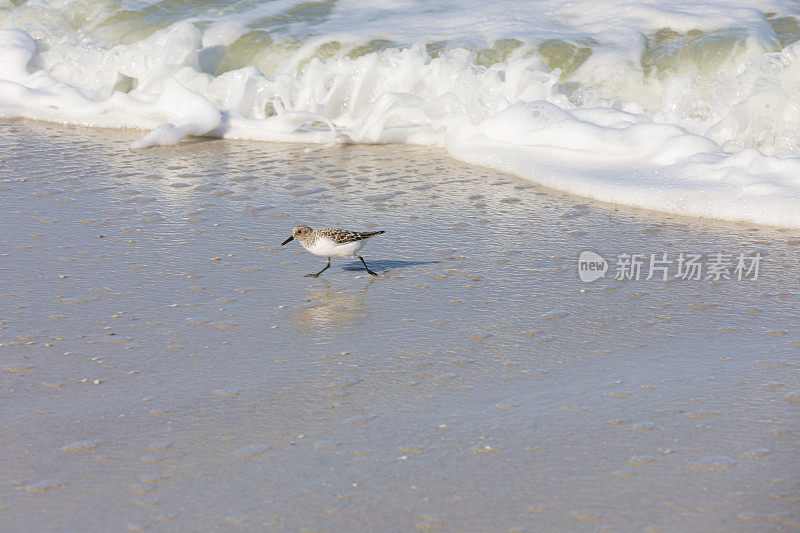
(312, 275)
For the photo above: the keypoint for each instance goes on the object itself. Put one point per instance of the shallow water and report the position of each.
(167, 366)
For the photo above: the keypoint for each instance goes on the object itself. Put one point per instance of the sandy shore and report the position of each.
(166, 366)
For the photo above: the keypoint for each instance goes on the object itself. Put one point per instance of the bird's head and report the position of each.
(298, 233)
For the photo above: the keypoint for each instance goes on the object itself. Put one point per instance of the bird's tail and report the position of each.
(368, 234)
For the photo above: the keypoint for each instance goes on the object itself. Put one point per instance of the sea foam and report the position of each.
(678, 107)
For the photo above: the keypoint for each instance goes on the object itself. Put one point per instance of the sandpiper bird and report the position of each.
(329, 242)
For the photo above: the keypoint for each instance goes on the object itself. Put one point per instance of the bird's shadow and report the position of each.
(386, 265)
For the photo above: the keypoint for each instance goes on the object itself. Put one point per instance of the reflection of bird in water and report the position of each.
(329, 307)
(329, 242)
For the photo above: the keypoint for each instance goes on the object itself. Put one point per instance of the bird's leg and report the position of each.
(321, 271)
(365, 266)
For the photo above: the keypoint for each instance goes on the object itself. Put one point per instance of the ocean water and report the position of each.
(679, 106)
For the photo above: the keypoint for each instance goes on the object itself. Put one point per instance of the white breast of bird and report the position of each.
(327, 248)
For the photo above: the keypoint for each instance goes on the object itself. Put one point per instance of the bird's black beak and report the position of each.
(291, 238)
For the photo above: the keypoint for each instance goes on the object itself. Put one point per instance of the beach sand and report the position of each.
(166, 366)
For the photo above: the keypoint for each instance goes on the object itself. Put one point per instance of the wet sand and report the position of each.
(166, 366)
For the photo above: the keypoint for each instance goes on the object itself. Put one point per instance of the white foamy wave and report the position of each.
(683, 109)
